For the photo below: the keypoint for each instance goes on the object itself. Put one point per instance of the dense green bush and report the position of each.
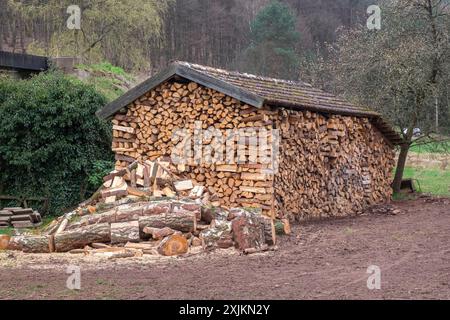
(100, 169)
(50, 138)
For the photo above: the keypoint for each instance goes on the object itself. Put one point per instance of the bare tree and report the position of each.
(400, 70)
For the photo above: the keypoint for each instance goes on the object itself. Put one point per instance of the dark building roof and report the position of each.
(23, 62)
(256, 91)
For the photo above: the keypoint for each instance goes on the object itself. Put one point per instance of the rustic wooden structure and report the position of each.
(335, 158)
(23, 64)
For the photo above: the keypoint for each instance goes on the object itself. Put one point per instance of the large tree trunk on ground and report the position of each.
(400, 167)
(184, 221)
(123, 213)
(77, 239)
(125, 232)
(183, 206)
(100, 218)
(37, 244)
(128, 214)
(220, 231)
(249, 232)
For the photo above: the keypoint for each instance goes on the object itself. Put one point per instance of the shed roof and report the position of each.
(256, 91)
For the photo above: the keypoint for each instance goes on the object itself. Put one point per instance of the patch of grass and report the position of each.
(349, 231)
(75, 218)
(108, 79)
(36, 287)
(432, 181)
(108, 87)
(68, 293)
(46, 220)
(104, 282)
(279, 227)
(107, 68)
(7, 231)
(432, 147)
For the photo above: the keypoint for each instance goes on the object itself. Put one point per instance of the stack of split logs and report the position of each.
(18, 217)
(146, 131)
(329, 164)
(165, 227)
(336, 164)
(146, 179)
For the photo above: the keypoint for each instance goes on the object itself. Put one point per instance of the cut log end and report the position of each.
(173, 245)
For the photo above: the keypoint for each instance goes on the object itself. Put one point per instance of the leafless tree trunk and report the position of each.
(404, 149)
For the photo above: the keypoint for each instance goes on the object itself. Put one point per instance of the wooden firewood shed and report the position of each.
(334, 158)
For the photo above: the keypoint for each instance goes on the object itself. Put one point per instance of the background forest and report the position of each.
(145, 35)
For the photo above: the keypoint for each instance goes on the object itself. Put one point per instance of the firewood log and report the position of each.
(99, 218)
(248, 232)
(29, 244)
(184, 221)
(78, 238)
(100, 246)
(125, 232)
(62, 226)
(183, 185)
(142, 245)
(124, 213)
(263, 248)
(195, 242)
(155, 208)
(22, 211)
(124, 254)
(208, 214)
(4, 241)
(187, 206)
(173, 245)
(159, 233)
(220, 230)
(269, 231)
(137, 192)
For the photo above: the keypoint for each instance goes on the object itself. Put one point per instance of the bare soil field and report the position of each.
(321, 260)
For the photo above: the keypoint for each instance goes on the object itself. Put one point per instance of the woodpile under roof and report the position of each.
(256, 91)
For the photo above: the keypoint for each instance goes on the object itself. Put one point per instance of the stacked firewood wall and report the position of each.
(144, 131)
(330, 165)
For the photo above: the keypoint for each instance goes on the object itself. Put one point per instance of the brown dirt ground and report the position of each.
(320, 260)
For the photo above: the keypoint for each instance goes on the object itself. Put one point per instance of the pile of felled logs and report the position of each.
(18, 217)
(166, 227)
(147, 209)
